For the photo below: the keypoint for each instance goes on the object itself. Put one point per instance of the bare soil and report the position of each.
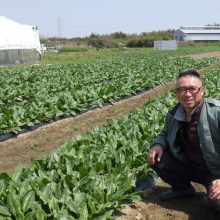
(207, 54)
(38, 143)
(151, 207)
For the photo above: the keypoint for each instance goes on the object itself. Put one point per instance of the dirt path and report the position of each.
(207, 54)
(38, 143)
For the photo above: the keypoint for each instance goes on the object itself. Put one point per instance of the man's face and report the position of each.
(189, 91)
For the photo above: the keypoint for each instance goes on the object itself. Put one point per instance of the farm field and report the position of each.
(37, 144)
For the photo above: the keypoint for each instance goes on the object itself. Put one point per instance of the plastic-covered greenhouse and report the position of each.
(19, 43)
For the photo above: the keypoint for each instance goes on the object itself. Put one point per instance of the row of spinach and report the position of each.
(37, 94)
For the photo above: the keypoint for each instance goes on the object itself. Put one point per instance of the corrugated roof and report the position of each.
(200, 27)
(204, 31)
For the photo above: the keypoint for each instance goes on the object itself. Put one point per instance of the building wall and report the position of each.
(201, 37)
(19, 56)
(179, 35)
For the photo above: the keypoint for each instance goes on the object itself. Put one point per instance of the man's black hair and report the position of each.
(189, 72)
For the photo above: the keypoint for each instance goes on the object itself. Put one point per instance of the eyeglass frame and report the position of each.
(185, 90)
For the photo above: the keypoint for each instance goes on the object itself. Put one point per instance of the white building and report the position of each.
(207, 33)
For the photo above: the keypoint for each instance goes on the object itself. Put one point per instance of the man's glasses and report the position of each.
(192, 90)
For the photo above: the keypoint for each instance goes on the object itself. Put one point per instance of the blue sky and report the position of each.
(79, 18)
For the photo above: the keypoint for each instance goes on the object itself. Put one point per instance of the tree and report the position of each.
(118, 35)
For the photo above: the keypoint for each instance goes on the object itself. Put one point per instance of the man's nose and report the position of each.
(187, 92)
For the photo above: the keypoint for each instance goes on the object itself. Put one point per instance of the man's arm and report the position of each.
(161, 139)
(159, 144)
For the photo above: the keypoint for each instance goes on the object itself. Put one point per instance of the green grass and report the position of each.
(74, 55)
(200, 47)
(92, 55)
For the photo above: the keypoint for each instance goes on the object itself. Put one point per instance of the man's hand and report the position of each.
(154, 154)
(214, 191)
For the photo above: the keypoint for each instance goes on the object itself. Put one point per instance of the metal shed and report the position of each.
(165, 45)
(207, 33)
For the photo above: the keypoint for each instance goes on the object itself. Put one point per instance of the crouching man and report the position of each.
(188, 147)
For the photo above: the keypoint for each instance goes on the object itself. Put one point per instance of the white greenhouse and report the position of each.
(19, 43)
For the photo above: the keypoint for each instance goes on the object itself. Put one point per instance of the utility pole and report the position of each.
(59, 26)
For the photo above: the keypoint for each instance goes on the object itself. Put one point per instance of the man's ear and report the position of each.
(203, 90)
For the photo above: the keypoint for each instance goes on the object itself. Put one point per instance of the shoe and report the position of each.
(143, 186)
(147, 184)
(176, 194)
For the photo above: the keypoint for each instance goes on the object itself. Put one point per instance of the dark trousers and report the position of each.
(180, 175)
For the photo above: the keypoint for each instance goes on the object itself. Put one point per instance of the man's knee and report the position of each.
(215, 204)
(167, 162)
(170, 168)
